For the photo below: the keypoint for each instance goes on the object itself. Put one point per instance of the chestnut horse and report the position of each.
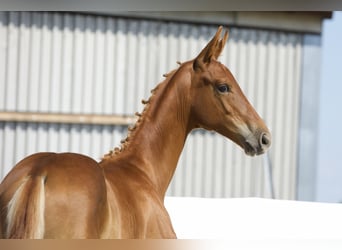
(68, 195)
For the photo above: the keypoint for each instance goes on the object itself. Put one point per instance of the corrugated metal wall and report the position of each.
(72, 63)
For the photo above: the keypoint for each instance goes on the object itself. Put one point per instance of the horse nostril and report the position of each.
(265, 140)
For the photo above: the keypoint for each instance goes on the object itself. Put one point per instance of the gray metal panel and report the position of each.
(70, 63)
(308, 129)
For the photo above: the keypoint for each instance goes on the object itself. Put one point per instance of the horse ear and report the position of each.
(221, 45)
(212, 50)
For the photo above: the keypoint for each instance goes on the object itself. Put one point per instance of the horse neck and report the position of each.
(160, 133)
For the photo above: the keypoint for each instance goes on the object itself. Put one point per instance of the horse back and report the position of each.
(70, 189)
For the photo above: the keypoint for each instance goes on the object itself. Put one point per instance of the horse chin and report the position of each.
(253, 149)
(249, 149)
(244, 144)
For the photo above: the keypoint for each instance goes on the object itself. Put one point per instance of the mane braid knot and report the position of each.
(131, 129)
(124, 142)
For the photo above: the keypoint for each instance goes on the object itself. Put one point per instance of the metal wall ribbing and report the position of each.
(87, 64)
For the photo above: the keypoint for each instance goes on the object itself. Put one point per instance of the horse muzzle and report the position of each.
(257, 144)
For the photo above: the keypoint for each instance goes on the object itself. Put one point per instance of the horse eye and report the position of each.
(223, 88)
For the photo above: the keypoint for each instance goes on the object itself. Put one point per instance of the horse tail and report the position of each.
(25, 211)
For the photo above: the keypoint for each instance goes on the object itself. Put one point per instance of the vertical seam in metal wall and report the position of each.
(15, 137)
(299, 120)
(6, 60)
(18, 59)
(296, 124)
(306, 188)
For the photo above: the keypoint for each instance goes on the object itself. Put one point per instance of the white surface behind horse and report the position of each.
(254, 219)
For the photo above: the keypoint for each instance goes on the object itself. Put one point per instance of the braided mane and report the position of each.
(132, 129)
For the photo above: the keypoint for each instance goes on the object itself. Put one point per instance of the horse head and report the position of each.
(218, 103)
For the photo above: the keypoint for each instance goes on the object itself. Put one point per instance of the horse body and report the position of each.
(83, 199)
(68, 195)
